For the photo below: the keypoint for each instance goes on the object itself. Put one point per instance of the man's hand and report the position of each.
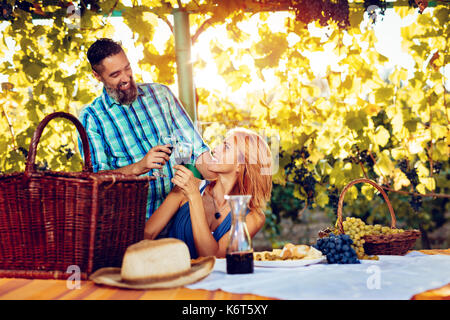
(154, 159)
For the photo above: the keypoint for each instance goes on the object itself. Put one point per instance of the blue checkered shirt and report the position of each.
(120, 135)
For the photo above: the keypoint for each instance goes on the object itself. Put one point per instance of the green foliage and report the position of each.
(352, 122)
(283, 204)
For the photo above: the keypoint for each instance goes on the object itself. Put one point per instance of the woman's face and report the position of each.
(225, 157)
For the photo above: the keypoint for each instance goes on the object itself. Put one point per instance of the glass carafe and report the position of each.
(239, 253)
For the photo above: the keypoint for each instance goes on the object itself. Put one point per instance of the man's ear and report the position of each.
(96, 75)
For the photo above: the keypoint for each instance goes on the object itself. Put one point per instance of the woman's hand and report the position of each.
(186, 181)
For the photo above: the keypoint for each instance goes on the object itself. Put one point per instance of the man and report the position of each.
(126, 121)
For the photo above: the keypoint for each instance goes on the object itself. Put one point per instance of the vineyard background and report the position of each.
(361, 115)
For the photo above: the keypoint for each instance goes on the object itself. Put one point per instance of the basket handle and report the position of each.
(30, 165)
(362, 180)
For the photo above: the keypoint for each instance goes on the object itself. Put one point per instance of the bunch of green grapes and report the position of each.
(357, 229)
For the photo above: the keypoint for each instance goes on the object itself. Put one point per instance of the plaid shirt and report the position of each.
(121, 135)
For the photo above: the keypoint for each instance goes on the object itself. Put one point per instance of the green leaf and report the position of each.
(439, 131)
(356, 16)
(368, 192)
(440, 151)
(381, 136)
(321, 198)
(384, 166)
(32, 69)
(356, 120)
(352, 193)
(271, 47)
(411, 125)
(384, 95)
(442, 13)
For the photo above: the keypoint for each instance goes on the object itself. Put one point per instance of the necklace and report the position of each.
(217, 214)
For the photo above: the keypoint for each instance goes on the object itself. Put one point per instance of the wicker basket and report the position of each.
(389, 244)
(52, 220)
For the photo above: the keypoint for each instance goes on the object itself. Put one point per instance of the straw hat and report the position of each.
(155, 264)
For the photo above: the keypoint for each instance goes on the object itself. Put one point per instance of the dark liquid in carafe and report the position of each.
(241, 262)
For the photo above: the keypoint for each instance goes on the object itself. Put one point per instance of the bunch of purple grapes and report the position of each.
(302, 176)
(411, 174)
(323, 11)
(338, 249)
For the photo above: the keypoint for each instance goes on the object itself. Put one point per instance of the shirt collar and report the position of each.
(111, 102)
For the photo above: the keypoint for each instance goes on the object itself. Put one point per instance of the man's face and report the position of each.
(116, 74)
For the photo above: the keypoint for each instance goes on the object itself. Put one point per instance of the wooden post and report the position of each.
(184, 63)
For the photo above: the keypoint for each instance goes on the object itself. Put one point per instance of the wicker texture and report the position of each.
(386, 244)
(51, 220)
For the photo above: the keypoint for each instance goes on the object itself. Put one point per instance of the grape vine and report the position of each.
(323, 11)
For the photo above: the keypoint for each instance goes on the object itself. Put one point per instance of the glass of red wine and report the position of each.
(168, 141)
(183, 152)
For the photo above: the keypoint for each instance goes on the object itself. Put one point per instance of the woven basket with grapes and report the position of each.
(372, 240)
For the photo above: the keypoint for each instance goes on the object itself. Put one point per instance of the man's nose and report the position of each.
(125, 79)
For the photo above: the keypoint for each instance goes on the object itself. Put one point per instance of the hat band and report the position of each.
(152, 279)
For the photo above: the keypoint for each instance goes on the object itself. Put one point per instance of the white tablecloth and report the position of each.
(391, 277)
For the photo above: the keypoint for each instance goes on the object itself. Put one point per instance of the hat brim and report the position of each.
(200, 268)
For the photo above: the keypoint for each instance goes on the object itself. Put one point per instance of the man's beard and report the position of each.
(123, 96)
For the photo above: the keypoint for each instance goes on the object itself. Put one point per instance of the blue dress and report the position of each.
(181, 228)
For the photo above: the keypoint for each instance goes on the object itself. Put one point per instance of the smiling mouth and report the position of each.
(124, 86)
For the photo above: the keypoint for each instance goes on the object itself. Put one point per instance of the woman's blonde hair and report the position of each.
(255, 160)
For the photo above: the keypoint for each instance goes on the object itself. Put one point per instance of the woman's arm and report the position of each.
(204, 241)
(159, 219)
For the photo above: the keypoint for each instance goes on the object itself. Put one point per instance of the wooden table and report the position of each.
(36, 289)
(29, 289)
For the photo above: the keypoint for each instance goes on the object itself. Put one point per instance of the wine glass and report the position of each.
(164, 140)
(183, 153)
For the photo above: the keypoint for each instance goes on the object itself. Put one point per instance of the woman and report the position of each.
(202, 215)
